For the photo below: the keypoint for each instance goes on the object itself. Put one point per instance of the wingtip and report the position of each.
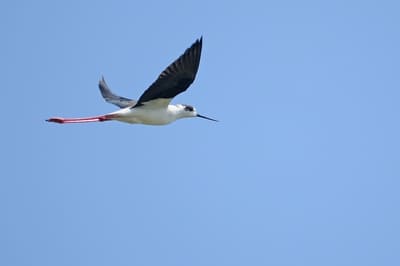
(103, 84)
(197, 44)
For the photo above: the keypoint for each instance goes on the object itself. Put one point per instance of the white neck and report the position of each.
(178, 111)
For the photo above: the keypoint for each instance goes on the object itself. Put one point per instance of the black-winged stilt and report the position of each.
(153, 106)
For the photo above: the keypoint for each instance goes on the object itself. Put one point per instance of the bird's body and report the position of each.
(153, 106)
(150, 115)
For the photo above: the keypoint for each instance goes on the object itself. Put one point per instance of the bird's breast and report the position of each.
(145, 116)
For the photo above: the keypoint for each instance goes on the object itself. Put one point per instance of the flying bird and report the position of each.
(153, 106)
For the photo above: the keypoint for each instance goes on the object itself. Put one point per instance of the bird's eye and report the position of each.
(188, 108)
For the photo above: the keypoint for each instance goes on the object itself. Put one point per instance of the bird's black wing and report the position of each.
(176, 78)
(110, 97)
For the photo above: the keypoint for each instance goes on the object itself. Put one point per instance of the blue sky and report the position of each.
(303, 168)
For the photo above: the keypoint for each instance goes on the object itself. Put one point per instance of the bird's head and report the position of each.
(190, 111)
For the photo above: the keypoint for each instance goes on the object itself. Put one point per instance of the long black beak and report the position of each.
(205, 117)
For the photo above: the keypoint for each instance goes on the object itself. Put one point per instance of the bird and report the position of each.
(154, 106)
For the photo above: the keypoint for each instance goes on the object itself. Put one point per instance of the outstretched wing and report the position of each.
(110, 97)
(176, 78)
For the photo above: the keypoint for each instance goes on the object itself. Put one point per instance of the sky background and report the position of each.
(302, 169)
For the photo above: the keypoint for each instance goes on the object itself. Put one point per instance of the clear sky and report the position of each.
(302, 169)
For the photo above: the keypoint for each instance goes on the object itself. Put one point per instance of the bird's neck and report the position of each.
(176, 110)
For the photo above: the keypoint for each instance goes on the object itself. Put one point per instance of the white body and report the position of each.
(156, 112)
(148, 115)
